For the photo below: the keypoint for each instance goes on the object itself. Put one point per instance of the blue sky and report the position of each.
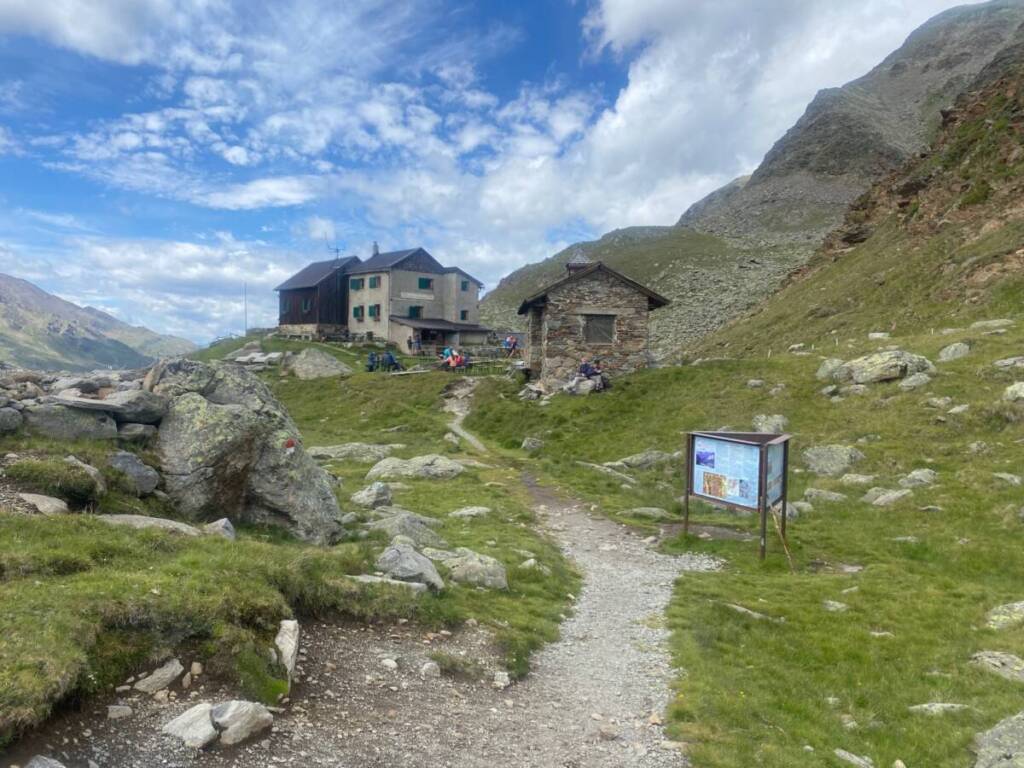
(156, 154)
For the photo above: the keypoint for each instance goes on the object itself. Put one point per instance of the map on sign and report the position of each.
(726, 471)
(776, 468)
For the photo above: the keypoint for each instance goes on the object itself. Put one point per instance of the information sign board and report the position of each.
(742, 470)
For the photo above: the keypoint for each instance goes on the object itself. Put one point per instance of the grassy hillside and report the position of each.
(39, 330)
(728, 277)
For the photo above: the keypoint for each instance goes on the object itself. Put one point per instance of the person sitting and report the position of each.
(391, 363)
(371, 362)
(589, 371)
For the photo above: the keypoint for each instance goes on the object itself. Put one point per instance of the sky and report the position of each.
(156, 155)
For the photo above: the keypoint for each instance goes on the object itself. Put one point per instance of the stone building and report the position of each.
(593, 311)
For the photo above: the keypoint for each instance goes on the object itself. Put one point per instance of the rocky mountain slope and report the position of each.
(39, 330)
(935, 243)
(732, 248)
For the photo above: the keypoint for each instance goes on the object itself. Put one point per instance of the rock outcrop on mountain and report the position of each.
(936, 244)
(39, 330)
(734, 247)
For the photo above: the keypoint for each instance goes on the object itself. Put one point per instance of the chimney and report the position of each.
(577, 262)
(376, 248)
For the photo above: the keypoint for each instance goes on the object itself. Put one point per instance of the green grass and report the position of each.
(84, 604)
(755, 693)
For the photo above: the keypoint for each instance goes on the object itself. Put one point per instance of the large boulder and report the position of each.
(62, 423)
(432, 466)
(954, 351)
(1002, 746)
(313, 363)
(403, 562)
(137, 406)
(141, 477)
(10, 420)
(882, 366)
(228, 448)
(831, 460)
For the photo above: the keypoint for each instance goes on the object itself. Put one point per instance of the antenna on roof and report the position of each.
(333, 248)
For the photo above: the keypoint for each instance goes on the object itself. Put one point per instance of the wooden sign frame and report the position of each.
(762, 441)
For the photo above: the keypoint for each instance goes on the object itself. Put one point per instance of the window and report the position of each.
(374, 311)
(357, 313)
(375, 281)
(286, 304)
(356, 283)
(465, 285)
(307, 306)
(599, 329)
(426, 283)
(464, 314)
(415, 312)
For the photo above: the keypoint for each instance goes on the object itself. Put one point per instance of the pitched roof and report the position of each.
(313, 274)
(464, 273)
(427, 323)
(382, 262)
(654, 300)
(579, 258)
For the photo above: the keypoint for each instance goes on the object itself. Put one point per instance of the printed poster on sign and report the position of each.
(776, 468)
(726, 471)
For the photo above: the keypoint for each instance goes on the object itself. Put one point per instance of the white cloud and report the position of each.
(321, 229)
(263, 193)
(8, 145)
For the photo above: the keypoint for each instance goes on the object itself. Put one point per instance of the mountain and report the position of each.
(937, 243)
(39, 330)
(734, 247)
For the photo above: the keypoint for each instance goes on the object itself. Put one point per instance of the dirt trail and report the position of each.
(458, 398)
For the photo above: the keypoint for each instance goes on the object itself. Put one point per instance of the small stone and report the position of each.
(196, 669)
(430, 669)
(1005, 616)
(118, 711)
(919, 477)
(222, 528)
(833, 606)
(45, 505)
(819, 494)
(389, 664)
(891, 497)
(240, 720)
(851, 479)
(954, 352)
(916, 381)
(1006, 477)
(855, 760)
(161, 678)
(935, 708)
(194, 727)
(501, 680)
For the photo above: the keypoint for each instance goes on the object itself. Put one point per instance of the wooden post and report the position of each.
(762, 498)
(785, 484)
(686, 489)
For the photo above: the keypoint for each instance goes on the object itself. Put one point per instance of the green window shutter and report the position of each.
(357, 312)
(465, 285)
(426, 283)
(375, 282)
(415, 312)
(356, 283)
(464, 315)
